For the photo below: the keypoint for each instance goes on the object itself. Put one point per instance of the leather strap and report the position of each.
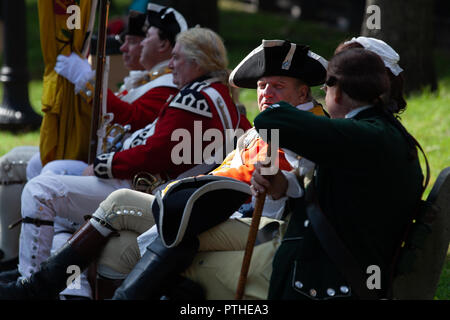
(338, 252)
(36, 222)
(332, 244)
(87, 241)
(103, 223)
(200, 169)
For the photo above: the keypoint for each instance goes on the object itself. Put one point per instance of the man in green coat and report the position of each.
(367, 184)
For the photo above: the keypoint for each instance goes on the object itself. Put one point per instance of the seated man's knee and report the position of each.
(38, 196)
(126, 209)
(34, 167)
(227, 236)
(65, 167)
(13, 165)
(42, 187)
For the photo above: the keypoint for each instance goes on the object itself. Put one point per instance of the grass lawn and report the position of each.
(427, 116)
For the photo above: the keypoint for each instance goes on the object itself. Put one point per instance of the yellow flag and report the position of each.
(65, 129)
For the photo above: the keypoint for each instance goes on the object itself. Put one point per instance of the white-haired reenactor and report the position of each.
(279, 70)
(199, 65)
(136, 104)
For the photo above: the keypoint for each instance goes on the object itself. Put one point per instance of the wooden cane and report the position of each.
(254, 227)
(259, 205)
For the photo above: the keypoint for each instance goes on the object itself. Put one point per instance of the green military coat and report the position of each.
(367, 185)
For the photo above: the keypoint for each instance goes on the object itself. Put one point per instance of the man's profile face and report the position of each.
(151, 45)
(184, 70)
(272, 89)
(131, 51)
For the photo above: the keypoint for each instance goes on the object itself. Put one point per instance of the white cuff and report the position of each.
(294, 190)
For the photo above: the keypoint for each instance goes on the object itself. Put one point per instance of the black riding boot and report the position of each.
(8, 265)
(8, 276)
(184, 289)
(53, 274)
(157, 270)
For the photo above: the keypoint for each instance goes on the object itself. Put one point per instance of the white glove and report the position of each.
(75, 69)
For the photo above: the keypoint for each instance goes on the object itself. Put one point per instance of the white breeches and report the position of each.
(48, 196)
(64, 167)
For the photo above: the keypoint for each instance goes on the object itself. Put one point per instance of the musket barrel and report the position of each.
(100, 67)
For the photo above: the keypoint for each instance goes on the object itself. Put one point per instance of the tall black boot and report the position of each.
(156, 270)
(184, 289)
(80, 250)
(8, 265)
(8, 276)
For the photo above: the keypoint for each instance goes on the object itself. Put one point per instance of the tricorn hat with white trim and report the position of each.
(193, 205)
(279, 58)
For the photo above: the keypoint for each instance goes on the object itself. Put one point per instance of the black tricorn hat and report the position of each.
(279, 58)
(135, 26)
(167, 19)
(193, 205)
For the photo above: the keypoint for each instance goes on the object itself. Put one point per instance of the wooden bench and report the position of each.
(422, 282)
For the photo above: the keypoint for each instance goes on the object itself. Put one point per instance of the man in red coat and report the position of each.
(135, 105)
(148, 86)
(203, 101)
(138, 101)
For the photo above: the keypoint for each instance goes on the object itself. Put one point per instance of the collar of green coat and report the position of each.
(368, 113)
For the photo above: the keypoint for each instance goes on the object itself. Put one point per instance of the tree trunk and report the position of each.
(408, 28)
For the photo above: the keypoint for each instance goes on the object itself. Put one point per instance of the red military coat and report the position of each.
(204, 102)
(141, 105)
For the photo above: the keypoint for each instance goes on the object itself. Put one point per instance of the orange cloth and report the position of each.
(254, 152)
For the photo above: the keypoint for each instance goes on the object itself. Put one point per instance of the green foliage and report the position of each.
(10, 140)
(35, 60)
(443, 290)
(241, 38)
(428, 118)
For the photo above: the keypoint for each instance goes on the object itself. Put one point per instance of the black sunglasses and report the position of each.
(331, 81)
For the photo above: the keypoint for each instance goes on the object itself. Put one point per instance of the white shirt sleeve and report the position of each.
(146, 238)
(294, 190)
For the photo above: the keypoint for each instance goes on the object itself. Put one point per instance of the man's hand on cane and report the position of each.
(274, 185)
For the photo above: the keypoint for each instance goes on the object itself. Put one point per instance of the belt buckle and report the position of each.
(146, 182)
